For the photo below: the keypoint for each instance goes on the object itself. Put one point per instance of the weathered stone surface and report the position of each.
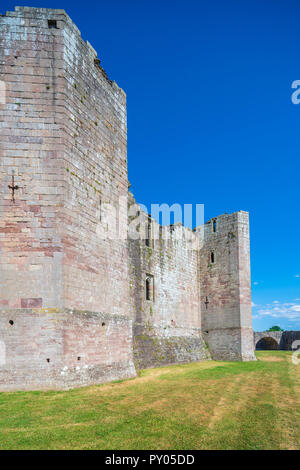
(74, 306)
(52, 348)
(167, 328)
(63, 137)
(226, 285)
(283, 340)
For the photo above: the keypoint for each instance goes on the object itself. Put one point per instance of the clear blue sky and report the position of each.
(210, 118)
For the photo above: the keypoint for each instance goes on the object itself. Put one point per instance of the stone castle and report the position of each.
(76, 308)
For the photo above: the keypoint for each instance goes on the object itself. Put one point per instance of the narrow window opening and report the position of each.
(149, 287)
(11, 322)
(48, 360)
(78, 358)
(100, 209)
(52, 24)
(206, 303)
(212, 257)
(148, 232)
(103, 324)
(214, 226)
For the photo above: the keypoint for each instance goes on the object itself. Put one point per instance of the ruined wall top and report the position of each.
(25, 14)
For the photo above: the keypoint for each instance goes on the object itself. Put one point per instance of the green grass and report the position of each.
(204, 405)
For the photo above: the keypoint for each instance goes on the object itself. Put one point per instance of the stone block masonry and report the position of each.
(167, 323)
(226, 287)
(63, 138)
(283, 340)
(77, 309)
(59, 349)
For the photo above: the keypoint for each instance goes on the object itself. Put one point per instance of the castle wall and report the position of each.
(60, 349)
(226, 288)
(167, 328)
(78, 301)
(95, 174)
(31, 147)
(63, 133)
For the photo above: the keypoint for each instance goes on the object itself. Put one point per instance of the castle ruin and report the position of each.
(77, 308)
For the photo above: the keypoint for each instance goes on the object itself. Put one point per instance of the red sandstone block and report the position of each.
(35, 209)
(31, 303)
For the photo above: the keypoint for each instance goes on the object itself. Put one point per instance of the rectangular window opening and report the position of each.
(52, 24)
(214, 226)
(149, 287)
(148, 238)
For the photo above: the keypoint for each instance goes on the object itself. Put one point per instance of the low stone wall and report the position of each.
(155, 351)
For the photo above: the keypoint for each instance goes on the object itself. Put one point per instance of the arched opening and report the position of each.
(267, 343)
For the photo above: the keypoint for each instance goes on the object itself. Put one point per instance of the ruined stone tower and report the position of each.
(76, 308)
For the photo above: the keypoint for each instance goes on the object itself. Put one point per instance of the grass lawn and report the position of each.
(204, 405)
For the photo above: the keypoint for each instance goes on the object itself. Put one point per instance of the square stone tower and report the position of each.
(226, 315)
(64, 292)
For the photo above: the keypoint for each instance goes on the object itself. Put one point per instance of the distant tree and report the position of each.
(275, 328)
